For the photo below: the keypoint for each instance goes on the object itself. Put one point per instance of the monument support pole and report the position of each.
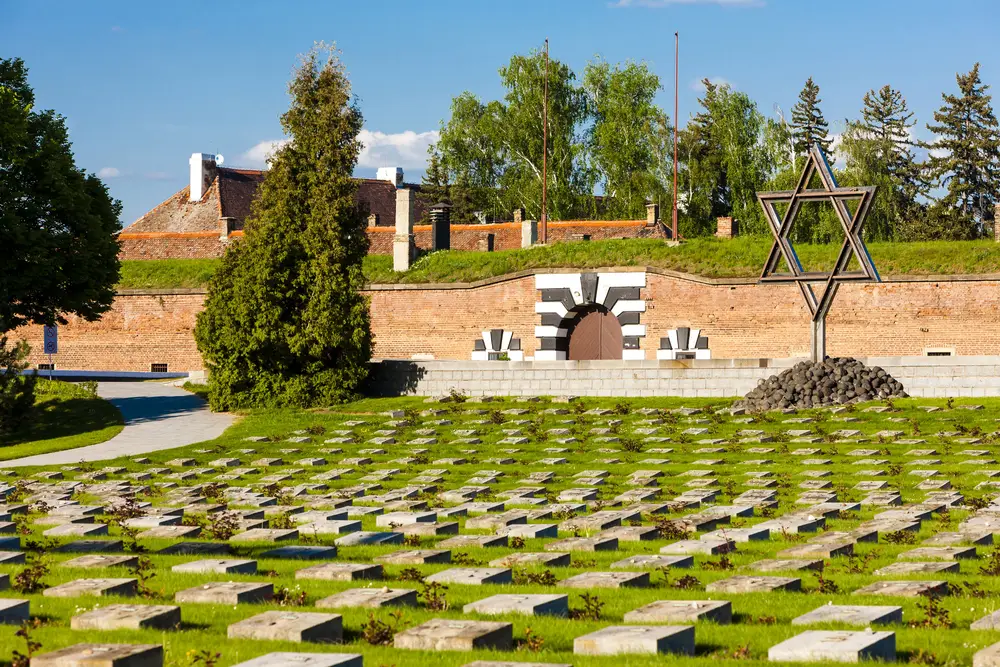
(817, 350)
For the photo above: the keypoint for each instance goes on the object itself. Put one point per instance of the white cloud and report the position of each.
(403, 149)
(699, 87)
(666, 3)
(262, 152)
(109, 172)
(406, 149)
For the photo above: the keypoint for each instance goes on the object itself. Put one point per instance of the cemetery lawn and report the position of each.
(65, 416)
(700, 450)
(709, 257)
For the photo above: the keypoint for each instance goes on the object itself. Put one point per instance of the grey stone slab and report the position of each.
(196, 549)
(265, 535)
(530, 605)
(682, 611)
(909, 589)
(785, 564)
(440, 634)
(285, 659)
(290, 626)
(636, 639)
(128, 617)
(988, 622)
(363, 538)
(102, 655)
(652, 562)
(939, 553)
(217, 566)
(583, 544)
(707, 547)
(818, 550)
(99, 561)
(754, 584)
(530, 558)
(370, 598)
(987, 657)
(227, 592)
(13, 611)
(607, 580)
(340, 572)
(913, 567)
(835, 646)
(472, 576)
(851, 615)
(415, 557)
(99, 587)
(507, 663)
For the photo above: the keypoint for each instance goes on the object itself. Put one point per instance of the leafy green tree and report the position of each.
(285, 323)
(969, 166)
(496, 148)
(622, 138)
(724, 161)
(58, 226)
(808, 124)
(57, 223)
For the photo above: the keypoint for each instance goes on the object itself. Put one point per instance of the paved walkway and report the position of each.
(157, 416)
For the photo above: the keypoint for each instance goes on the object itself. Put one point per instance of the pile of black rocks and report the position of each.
(835, 381)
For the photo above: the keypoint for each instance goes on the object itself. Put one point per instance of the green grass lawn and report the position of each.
(710, 257)
(760, 620)
(65, 416)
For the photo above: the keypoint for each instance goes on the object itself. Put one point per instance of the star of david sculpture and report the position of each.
(827, 282)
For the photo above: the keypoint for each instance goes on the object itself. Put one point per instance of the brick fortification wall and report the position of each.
(506, 236)
(741, 320)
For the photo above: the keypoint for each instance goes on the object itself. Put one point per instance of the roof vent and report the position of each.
(392, 174)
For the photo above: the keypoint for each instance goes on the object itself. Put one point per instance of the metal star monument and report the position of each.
(854, 246)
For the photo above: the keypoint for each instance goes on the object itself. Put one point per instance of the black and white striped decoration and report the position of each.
(497, 342)
(684, 343)
(565, 295)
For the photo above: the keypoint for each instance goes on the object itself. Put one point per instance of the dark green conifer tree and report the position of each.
(285, 323)
(808, 124)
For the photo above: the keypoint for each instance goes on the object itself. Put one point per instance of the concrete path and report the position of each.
(157, 416)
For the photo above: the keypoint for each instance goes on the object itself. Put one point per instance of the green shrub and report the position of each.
(17, 390)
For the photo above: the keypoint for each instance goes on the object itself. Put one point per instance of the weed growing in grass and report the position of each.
(410, 574)
(669, 529)
(543, 578)
(130, 540)
(31, 645)
(496, 417)
(532, 641)
(22, 524)
(901, 537)
(723, 563)
(992, 567)
(935, 614)
(381, 633)
(462, 558)
(286, 597)
(762, 620)
(433, 595)
(457, 396)
(895, 469)
(621, 409)
(516, 542)
(591, 610)
(412, 541)
(922, 657)
(687, 582)
(630, 445)
(214, 490)
(977, 503)
(824, 585)
(970, 590)
(281, 522)
(29, 580)
(223, 525)
(203, 658)
(144, 571)
(858, 564)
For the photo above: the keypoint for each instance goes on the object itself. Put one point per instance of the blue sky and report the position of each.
(145, 84)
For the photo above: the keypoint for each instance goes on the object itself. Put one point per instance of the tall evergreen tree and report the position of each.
(808, 124)
(878, 151)
(969, 163)
(285, 323)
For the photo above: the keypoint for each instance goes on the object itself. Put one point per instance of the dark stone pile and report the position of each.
(835, 381)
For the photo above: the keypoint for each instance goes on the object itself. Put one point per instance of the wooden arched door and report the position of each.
(595, 334)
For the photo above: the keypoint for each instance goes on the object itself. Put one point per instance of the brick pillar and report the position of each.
(652, 214)
(518, 215)
(996, 222)
(726, 228)
(529, 233)
(402, 241)
(226, 226)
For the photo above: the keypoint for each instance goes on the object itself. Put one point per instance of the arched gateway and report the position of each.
(594, 334)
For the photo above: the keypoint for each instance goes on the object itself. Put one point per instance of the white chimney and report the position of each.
(392, 174)
(202, 174)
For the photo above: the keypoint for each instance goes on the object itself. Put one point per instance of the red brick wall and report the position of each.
(741, 320)
(506, 236)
